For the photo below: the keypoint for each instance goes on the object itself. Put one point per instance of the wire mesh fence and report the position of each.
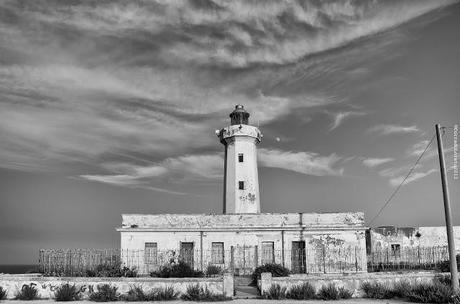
(76, 262)
(240, 260)
(397, 258)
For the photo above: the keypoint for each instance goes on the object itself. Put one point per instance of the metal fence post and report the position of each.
(356, 258)
(232, 259)
(324, 257)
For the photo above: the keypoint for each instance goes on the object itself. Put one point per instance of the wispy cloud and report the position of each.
(412, 178)
(189, 167)
(417, 148)
(393, 129)
(374, 162)
(340, 117)
(209, 168)
(302, 162)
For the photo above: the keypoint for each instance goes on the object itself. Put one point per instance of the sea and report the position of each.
(18, 268)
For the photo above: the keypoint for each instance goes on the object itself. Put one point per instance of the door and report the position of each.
(186, 252)
(298, 257)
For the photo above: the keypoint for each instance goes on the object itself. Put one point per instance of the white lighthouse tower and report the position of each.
(241, 180)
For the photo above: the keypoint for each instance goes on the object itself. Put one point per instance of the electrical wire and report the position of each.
(403, 181)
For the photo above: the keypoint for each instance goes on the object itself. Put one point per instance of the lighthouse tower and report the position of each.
(241, 181)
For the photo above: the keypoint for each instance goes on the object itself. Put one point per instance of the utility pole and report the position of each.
(447, 212)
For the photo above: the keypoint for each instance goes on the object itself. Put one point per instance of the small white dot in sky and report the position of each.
(278, 139)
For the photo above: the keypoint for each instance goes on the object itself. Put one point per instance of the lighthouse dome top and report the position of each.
(239, 116)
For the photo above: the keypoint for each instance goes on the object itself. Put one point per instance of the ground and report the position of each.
(243, 301)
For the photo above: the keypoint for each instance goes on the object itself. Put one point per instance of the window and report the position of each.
(396, 250)
(268, 253)
(217, 253)
(150, 253)
(241, 185)
(240, 157)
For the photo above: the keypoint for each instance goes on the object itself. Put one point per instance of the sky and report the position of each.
(111, 107)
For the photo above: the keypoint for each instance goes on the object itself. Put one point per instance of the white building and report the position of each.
(242, 238)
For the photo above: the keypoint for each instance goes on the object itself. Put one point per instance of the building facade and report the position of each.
(243, 238)
(396, 238)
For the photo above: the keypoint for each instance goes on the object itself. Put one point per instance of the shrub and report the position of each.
(135, 293)
(112, 270)
(67, 292)
(328, 292)
(444, 266)
(377, 290)
(401, 289)
(104, 293)
(27, 292)
(3, 293)
(276, 270)
(306, 291)
(430, 293)
(163, 294)
(331, 292)
(276, 292)
(213, 270)
(197, 293)
(345, 293)
(179, 270)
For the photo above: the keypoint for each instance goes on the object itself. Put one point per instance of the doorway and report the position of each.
(298, 257)
(186, 253)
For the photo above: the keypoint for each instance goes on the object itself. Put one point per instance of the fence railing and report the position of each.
(244, 259)
(240, 260)
(407, 258)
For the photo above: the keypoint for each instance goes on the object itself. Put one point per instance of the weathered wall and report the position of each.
(351, 282)
(47, 285)
(248, 199)
(384, 237)
(194, 222)
(344, 247)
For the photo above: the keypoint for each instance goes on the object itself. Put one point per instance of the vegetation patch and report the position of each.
(276, 270)
(104, 293)
(3, 293)
(163, 294)
(67, 292)
(331, 292)
(197, 293)
(430, 293)
(377, 290)
(444, 266)
(27, 293)
(112, 270)
(305, 291)
(213, 270)
(135, 294)
(179, 270)
(276, 292)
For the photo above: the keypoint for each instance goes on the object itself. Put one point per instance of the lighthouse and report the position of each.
(241, 181)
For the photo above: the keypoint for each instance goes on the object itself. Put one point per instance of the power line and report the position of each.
(402, 183)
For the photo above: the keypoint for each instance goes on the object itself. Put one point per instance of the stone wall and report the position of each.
(351, 282)
(47, 285)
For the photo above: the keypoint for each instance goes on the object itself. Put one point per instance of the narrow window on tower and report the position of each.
(240, 157)
(241, 185)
